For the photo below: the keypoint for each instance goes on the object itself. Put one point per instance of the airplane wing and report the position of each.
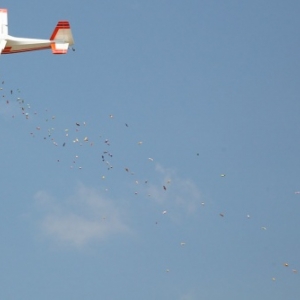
(3, 28)
(2, 45)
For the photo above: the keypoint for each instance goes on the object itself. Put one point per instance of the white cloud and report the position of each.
(88, 215)
(174, 191)
(84, 217)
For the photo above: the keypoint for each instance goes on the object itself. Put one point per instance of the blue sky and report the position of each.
(131, 204)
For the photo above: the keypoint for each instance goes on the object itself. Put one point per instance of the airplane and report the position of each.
(59, 41)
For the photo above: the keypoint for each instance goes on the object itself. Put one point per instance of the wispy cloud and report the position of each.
(89, 215)
(174, 191)
(84, 217)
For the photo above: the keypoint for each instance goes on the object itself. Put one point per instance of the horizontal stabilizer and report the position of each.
(59, 48)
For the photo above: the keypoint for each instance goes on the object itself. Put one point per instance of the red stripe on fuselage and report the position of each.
(7, 50)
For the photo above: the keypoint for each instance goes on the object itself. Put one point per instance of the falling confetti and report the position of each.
(104, 155)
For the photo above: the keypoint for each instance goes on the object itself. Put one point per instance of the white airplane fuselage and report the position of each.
(15, 44)
(59, 41)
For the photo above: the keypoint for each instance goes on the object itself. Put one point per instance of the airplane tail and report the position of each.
(62, 38)
(3, 21)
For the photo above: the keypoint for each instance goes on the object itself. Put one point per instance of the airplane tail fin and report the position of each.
(3, 21)
(61, 37)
